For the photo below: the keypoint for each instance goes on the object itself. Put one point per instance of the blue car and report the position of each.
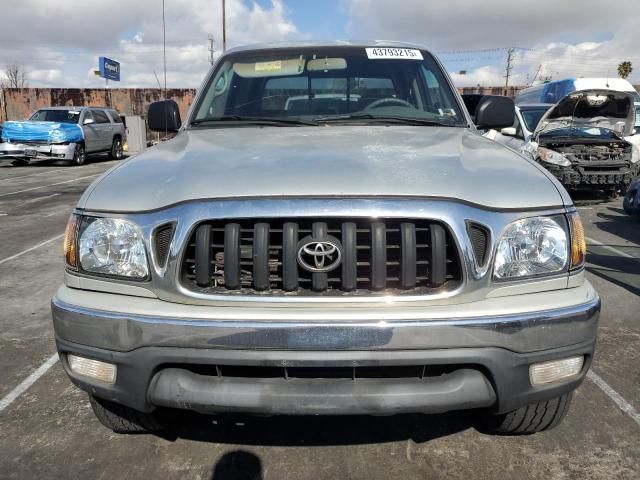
(631, 202)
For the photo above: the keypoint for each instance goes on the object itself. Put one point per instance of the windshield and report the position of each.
(532, 117)
(60, 116)
(329, 84)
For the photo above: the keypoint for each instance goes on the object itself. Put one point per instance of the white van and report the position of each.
(553, 92)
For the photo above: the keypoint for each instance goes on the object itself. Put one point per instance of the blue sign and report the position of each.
(109, 69)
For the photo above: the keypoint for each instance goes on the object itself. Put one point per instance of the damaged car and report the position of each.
(64, 133)
(581, 140)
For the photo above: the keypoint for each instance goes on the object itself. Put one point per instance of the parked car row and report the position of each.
(64, 133)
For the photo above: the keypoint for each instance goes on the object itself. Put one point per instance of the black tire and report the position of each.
(116, 152)
(529, 419)
(612, 194)
(79, 155)
(122, 419)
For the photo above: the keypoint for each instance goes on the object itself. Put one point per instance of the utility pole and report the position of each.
(224, 26)
(508, 69)
(211, 49)
(164, 51)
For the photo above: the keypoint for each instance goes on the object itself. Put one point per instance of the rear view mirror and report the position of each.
(326, 64)
(164, 116)
(494, 111)
(508, 131)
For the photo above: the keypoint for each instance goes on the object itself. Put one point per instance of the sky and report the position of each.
(58, 42)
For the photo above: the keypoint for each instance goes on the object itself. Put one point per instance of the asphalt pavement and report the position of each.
(49, 431)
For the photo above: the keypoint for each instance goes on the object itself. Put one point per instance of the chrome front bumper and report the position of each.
(128, 323)
(43, 152)
(155, 344)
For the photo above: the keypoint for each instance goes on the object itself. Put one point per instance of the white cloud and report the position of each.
(131, 33)
(569, 38)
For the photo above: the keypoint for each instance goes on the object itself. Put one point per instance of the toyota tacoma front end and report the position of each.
(365, 251)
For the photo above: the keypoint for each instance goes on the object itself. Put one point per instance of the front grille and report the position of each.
(30, 143)
(263, 256)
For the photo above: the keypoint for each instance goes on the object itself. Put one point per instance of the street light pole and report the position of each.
(224, 26)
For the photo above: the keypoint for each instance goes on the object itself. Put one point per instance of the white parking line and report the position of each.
(8, 259)
(625, 406)
(32, 174)
(50, 185)
(27, 382)
(37, 199)
(63, 169)
(611, 249)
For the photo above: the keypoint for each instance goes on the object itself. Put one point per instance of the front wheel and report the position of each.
(529, 419)
(123, 419)
(116, 152)
(612, 194)
(79, 155)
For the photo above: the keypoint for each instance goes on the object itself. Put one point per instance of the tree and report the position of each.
(15, 76)
(625, 69)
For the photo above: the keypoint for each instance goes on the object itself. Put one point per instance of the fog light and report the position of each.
(555, 370)
(105, 372)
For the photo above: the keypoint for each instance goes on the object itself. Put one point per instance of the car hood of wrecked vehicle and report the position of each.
(594, 108)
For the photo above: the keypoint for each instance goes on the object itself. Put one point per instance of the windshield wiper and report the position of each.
(384, 118)
(254, 120)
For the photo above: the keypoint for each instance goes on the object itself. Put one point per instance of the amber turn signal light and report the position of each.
(578, 242)
(69, 247)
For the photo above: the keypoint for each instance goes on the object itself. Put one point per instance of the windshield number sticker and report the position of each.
(394, 53)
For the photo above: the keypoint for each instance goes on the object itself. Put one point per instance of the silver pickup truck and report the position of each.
(366, 252)
(43, 137)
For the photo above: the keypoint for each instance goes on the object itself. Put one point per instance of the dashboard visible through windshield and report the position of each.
(328, 84)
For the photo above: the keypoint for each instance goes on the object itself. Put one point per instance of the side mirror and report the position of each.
(164, 116)
(494, 111)
(88, 121)
(508, 131)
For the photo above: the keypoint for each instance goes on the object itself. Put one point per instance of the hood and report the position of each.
(350, 161)
(51, 132)
(606, 109)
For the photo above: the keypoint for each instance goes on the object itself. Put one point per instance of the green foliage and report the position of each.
(625, 69)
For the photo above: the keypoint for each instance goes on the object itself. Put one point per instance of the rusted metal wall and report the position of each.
(511, 92)
(19, 103)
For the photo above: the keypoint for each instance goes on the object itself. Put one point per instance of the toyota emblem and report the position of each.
(319, 256)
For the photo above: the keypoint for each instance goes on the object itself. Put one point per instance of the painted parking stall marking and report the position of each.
(27, 382)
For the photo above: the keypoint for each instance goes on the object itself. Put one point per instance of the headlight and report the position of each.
(635, 153)
(112, 246)
(549, 156)
(532, 246)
